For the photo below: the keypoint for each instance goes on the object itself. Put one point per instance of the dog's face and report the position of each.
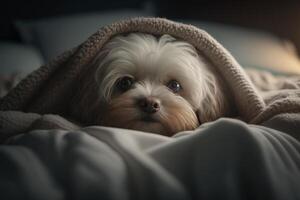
(151, 84)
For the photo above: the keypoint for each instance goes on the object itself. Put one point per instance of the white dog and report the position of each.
(148, 83)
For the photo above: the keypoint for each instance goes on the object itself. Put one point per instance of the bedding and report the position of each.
(49, 89)
(254, 157)
(227, 159)
(252, 48)
(19, 58)
(55, 35)
(255, 49)
(17, 61)
(7, 82)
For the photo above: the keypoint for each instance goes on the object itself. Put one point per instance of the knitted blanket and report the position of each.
(50, 88)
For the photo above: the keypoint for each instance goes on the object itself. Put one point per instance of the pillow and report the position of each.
(16, 62)
(19, 58)
(254, 48)
(7, 82)
(55, 35)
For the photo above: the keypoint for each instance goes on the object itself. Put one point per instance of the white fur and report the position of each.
(152, 62)
(159, 60)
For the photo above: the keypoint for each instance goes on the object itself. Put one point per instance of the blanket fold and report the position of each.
(50, 88)
(226, 159)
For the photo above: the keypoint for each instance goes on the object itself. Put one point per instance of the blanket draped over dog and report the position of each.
(49, 89)
(224, 159)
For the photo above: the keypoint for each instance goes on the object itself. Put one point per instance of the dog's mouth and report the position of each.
(150, 123)
(149, 119)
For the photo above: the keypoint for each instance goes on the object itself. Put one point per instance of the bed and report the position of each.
(46, 156)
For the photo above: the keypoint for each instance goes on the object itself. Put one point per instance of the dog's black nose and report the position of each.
(149, 105)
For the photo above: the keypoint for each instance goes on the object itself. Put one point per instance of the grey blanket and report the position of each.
(47, 156)
(226, 159)
(50, 88)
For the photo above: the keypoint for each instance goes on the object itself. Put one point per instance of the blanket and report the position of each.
(47, 155)
(225, 159)
(49, 89)
(257, 98)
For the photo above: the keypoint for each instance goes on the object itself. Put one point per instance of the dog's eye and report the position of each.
(174, 86)
(125, 83)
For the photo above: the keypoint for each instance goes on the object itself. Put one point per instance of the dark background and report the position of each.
(279, 17)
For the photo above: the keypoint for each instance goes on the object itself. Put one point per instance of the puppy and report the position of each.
(147, 83)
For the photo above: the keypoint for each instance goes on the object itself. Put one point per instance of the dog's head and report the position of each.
(158, 85)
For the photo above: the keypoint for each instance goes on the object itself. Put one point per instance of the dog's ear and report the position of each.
(211, 110)
(85, 104)
(215, 103)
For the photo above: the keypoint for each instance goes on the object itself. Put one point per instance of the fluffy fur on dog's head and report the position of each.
(148, 83)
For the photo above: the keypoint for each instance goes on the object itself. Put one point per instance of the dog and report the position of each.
(157, 84)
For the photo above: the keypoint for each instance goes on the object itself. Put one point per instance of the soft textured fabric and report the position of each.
(254, 48)
(44, 155)
(7, 82)
(227, 159)
(48, 89)
(55, 35)
(19, 58)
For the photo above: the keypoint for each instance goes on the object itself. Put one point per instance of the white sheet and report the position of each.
(226, 159)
